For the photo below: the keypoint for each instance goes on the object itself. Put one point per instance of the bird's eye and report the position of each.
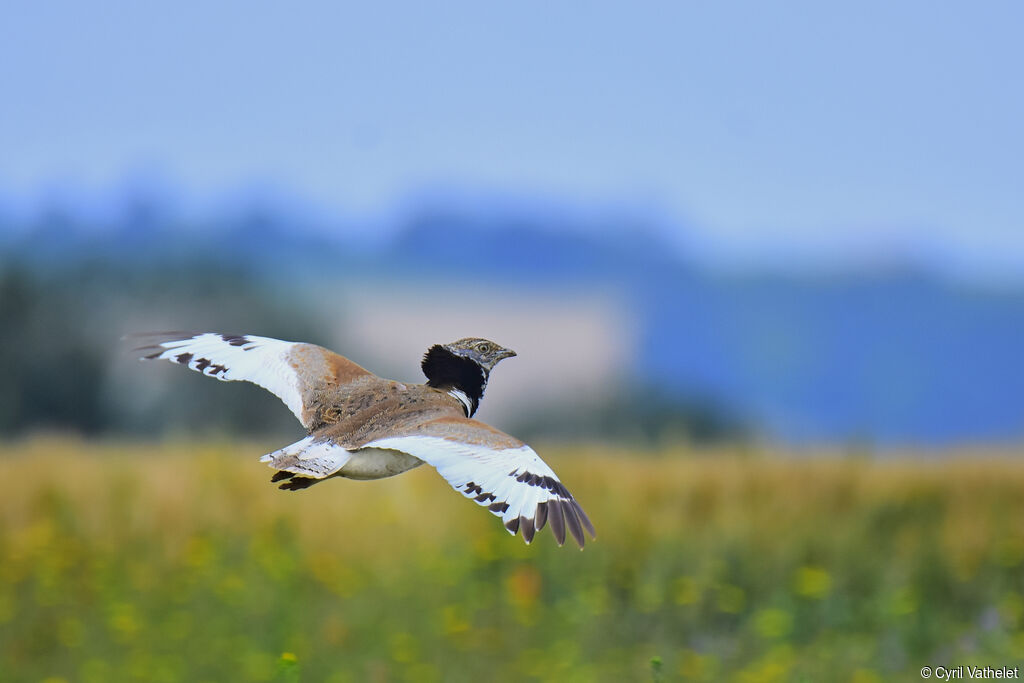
(483, 348)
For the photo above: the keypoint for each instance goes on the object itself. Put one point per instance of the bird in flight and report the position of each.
(362, 426)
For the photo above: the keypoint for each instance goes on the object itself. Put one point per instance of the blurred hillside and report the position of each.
(619, 334)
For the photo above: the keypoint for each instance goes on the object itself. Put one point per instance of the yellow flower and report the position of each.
(731, 599)
(687, 592)
(773, 623)
(813, 582)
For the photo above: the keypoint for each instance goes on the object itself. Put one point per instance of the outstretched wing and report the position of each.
(498, 472)
(292, 371)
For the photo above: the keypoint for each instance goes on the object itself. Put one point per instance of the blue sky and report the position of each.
(759, 131)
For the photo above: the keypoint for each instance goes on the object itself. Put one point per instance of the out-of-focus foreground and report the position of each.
(181, 562)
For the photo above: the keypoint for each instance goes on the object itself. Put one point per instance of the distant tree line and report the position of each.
(49, 378)
(66, 365)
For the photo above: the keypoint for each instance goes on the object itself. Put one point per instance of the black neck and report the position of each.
(445, 370)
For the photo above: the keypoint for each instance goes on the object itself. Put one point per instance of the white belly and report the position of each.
(377, 463)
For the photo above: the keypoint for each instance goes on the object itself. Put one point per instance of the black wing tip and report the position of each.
(153, 340)
(587, 524)
(528, 528)
(572, 521)
(541, 515)
(557, 520)
(567, 520)
(157, 340)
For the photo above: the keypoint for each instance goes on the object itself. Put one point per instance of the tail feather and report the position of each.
(305, 462)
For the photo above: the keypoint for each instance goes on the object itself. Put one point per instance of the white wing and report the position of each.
(513, 483)
(260, 360)
(291, 371)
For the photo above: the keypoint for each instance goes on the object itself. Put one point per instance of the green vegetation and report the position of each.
(182, 563)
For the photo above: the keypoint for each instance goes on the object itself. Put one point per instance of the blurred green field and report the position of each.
(182, 563)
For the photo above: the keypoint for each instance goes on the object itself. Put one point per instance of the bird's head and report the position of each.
(463, 367)
(483, 352)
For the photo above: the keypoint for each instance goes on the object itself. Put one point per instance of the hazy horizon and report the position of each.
(754, 134)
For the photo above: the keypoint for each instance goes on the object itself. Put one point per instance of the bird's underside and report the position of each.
(362, 426)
